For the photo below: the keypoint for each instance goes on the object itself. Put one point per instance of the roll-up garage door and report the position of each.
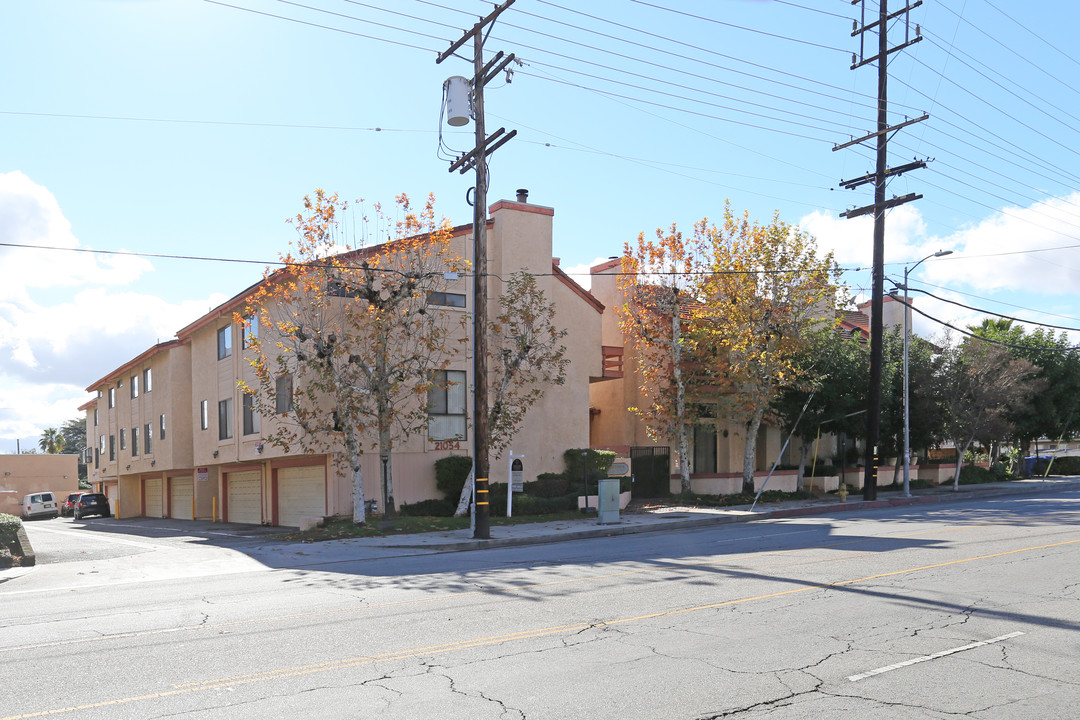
(110, 492)
(301, 493)
(245, 497)
(152, 497)
(181, 491)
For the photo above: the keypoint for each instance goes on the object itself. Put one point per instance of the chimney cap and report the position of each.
(522, 195)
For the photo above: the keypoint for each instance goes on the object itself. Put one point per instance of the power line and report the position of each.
(742, 27)
(990, 312)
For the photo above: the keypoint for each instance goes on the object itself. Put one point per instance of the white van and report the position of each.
(39, 504)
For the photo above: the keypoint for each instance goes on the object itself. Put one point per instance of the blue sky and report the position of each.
(194, 128)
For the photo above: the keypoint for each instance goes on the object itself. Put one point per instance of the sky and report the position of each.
(152, 150)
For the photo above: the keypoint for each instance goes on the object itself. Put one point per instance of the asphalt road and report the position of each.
(967, 609)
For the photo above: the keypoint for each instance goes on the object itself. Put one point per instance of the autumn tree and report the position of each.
(526, 356)
(660, 315)
(765, 293)
(980, 383)
(349, 340)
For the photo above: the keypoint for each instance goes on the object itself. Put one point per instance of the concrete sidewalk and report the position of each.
(676, 518)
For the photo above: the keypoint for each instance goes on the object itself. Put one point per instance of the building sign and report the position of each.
(202, 474)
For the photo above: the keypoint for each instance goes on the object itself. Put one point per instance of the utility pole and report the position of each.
(881, 173)
(477, 159)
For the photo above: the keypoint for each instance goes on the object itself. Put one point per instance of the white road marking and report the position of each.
(96, 536)
(936, 655)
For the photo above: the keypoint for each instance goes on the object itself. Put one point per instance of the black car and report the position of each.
(67, 508)
(92, 504)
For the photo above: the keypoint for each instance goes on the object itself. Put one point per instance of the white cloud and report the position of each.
(580, 273)
(1017, 257)
(63, 323)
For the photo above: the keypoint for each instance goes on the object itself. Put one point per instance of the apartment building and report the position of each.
(174, 436)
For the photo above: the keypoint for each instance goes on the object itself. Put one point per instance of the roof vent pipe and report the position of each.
(522, 195)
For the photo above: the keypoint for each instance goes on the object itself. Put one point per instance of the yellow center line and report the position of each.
(498, 639)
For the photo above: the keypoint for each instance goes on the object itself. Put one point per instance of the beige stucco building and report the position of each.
(28, 473)
(173, 435)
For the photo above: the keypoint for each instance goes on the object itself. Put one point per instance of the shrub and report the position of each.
(598, 462)
(436, 508)
(528, 505)
(1066, 466)
(451, 473)
(548, 485)
(975, 475)
(821, 470)
(9, 531)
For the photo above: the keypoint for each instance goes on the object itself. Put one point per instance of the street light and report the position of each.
(907, 418)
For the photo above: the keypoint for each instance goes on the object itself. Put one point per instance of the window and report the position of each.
(149, 448)
(224, 342)
(161, 423)
(101, 444)
(449, 299)
(704, 448)
(204, 415)
(97, 458)
(147, 380)
(251, 418)
(446, 406)
(134, 386)
(95, 417)
(705, 439)
(112, 448)
(224, 419)
(123, 438)
(112, 397)
(283, 394)
(134, 441)
(251, 329)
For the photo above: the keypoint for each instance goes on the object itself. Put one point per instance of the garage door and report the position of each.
(301, 493)
(110, 492)
(245, 497)
(152, 497)
(181, 491)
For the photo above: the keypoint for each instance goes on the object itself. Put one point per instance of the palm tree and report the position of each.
(51, 441)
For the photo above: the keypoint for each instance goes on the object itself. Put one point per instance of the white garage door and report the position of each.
(245, 497)
(152, 497)
(110, 492)
(301, 493)
(181, 491)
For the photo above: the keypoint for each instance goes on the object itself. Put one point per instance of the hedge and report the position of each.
(450, 475)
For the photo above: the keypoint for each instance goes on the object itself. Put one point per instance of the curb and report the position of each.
(29, 557)
(824, 509)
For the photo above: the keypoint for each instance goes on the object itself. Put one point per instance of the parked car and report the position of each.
(39, 504)
(67, 508)
(92, 504)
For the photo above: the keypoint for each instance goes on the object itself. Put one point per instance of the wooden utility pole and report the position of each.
(477, 159)
(881, 173)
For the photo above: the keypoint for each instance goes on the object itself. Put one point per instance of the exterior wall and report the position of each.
(613, 425)
(187, 372)
(21, 475)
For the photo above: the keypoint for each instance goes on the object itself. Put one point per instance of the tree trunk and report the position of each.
(466, 495)
(750, 453)
(359, 512)
(959, 463)
(680, 401)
